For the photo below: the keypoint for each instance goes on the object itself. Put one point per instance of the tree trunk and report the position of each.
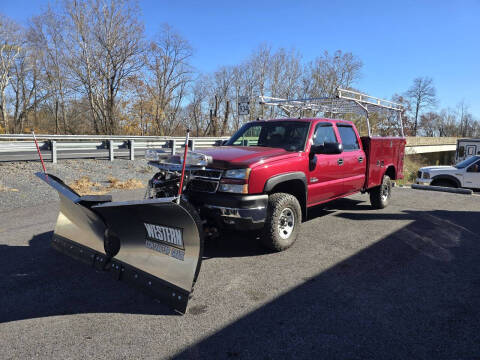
(214, 118)
(4, 114)
(56, 116)
(416, 120)
(225, 118)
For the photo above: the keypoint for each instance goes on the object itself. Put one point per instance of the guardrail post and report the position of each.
(132, 149)
(53, 148)
(110, 149)
(193, 144)
(174, 145)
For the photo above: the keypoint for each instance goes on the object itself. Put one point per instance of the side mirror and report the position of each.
(327, 148)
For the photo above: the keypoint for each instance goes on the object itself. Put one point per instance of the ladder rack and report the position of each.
(345, 102)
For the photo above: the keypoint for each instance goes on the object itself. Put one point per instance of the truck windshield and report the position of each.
(288, 135)
(465, 163)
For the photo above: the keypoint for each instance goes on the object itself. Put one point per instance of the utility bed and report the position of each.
(382, 152)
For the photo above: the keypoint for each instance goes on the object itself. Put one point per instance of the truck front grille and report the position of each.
(206, 180)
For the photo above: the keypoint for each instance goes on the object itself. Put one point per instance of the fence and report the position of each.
(53, 147)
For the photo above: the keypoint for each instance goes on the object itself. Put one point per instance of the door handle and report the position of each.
(360, 159)
(340, 161)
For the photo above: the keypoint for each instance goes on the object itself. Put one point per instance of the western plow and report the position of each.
(155, 244)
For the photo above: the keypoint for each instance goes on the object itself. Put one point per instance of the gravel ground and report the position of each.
(24, 189)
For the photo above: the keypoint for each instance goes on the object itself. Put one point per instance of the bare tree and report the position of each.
(47, 37)
(430, 123)
(328, 72)
(422, 94)
(105, 43)
(284, 75)
(448, 123)
(28, 87)
(9, 50)
(196, 107)
(222, 89)
(169, 73)
(465, 119)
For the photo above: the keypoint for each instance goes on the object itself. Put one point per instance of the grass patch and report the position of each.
(85, 186)
(411, 164)
(129, 184)
(4, 188)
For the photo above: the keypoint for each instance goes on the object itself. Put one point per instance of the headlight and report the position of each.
(426, 175)
(237, 173)
(235, 181)
(151, 155)
(234, 188)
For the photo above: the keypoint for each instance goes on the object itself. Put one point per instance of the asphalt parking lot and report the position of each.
(403, 282)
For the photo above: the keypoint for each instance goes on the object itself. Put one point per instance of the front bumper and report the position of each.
(422, 181)
(239, 212)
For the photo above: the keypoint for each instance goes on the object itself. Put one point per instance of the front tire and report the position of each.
(380, 196)
(284, 216)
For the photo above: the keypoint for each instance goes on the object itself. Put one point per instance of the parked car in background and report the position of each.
(465, 174)
(467, 148)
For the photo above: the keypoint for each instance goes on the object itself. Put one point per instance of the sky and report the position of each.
(397, 41)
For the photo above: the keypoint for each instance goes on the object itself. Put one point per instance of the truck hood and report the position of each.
(438, 168)
(227, 157)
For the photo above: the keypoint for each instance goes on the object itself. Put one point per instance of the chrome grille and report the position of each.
(205, 180)
(207, 174)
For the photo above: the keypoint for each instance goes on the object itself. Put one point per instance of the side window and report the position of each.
(461, 152)
(349, 138)
(475, 168)
(250, 137)
(324, 133)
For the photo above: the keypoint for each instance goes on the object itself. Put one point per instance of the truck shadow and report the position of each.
(413, 294)
(36, 281)
(241, 244)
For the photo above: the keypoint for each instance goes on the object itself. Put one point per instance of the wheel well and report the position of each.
(296, 188)
(444, 179)
(391, 172)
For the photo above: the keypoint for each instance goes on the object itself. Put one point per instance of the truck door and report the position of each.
(354, 161)
(326, 170)
(471, 178)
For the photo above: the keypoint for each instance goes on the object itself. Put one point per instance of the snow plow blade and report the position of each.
(153, 244)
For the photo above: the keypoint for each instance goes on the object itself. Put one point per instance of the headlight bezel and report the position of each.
(235, 181)
(241, 173)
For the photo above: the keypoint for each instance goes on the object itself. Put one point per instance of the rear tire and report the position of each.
(284, 216)
(380, 196)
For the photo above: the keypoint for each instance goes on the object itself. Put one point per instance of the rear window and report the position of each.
(349, 138)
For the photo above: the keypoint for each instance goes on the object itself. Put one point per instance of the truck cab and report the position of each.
(270, 172)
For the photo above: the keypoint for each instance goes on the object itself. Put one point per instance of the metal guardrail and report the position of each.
(20, 147)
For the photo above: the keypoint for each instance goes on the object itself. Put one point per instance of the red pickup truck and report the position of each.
(269, 173)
